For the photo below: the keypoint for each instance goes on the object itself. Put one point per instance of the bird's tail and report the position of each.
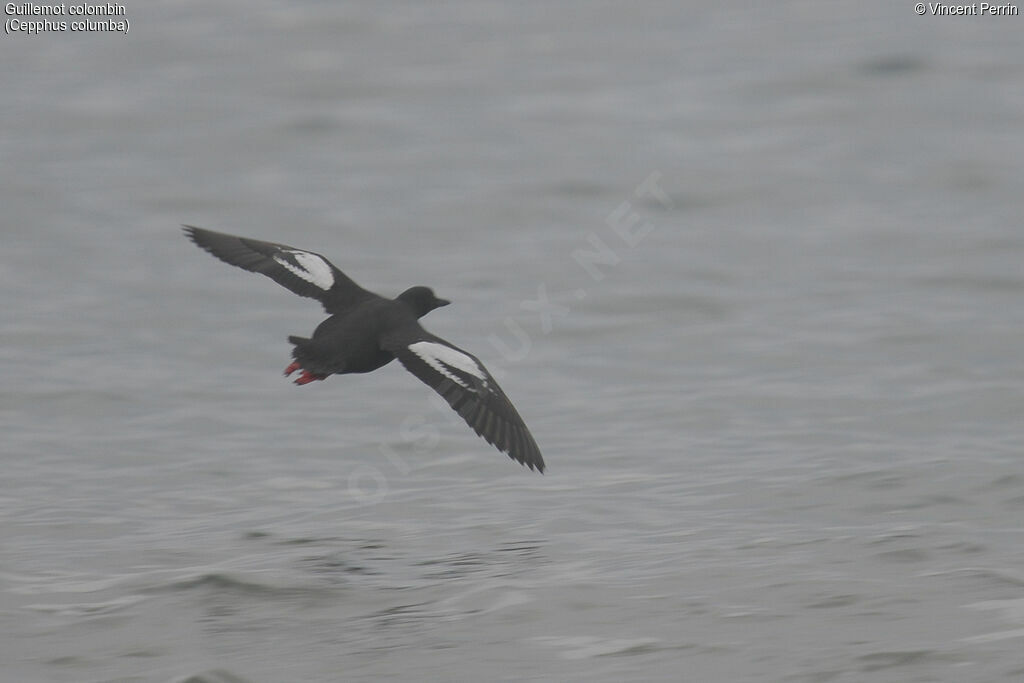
(302, 353)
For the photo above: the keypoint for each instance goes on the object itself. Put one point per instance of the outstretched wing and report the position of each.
(463, 381)
(303, 272)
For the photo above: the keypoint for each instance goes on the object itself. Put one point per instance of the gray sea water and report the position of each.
(753, 276)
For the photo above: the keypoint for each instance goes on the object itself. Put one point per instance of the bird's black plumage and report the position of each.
(366, 331)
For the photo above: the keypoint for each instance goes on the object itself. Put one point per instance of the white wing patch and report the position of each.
(310, 268)
(438, 356)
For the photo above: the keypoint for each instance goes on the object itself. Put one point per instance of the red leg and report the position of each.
(306, 377)
(291, 368)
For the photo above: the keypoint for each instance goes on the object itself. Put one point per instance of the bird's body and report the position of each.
(347, 342)
(366, 331)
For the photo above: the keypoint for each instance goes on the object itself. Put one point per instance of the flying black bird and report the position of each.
(366, 331)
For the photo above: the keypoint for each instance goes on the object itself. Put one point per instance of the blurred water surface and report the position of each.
(780, 404)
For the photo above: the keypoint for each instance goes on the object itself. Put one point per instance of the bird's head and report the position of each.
(422, 300)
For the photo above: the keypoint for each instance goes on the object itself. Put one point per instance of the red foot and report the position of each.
(306, 377)
(291, 368)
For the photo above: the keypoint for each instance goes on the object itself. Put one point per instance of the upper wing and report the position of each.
(303, 272)
(463, 381)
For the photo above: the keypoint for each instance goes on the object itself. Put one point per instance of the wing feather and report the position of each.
(303, 272)
(463, 381)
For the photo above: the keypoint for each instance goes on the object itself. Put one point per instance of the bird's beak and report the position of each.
(441, 302)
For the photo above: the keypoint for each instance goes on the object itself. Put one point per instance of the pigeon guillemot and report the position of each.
(367, 331)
